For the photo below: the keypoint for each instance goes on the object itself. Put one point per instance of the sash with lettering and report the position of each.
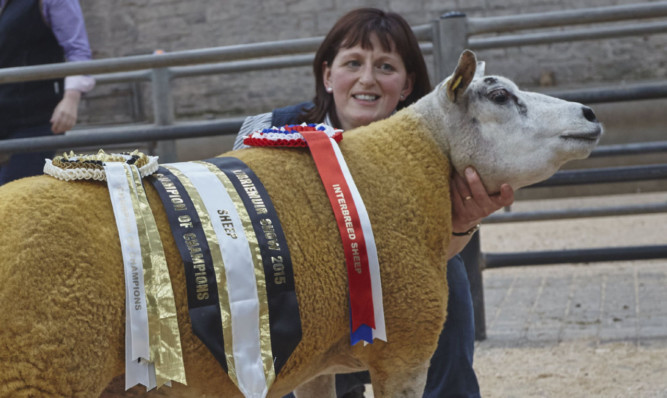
(190, 238)
(238, 269)
(284, 315)
(367, 313)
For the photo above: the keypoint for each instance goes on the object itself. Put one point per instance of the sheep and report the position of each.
(62, 292)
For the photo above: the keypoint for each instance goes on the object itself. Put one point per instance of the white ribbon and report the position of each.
(137, 348)
(380, 331)
(239, 270)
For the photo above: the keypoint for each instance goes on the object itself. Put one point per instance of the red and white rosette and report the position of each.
(289, 135)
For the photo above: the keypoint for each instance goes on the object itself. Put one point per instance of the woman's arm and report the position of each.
(470, 204)
(66, 21)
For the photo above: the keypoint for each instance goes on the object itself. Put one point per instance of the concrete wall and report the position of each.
(121, 28)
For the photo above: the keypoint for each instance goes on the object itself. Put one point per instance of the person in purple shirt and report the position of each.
(36, 32)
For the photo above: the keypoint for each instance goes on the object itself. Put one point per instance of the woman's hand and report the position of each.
(471, 203)
(66, 112)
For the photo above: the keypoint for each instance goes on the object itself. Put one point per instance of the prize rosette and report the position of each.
(69, 167)
(289, 135)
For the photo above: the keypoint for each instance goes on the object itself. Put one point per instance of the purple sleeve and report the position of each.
(66, 21)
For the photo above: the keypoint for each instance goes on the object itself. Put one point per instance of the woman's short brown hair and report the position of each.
(356, 27)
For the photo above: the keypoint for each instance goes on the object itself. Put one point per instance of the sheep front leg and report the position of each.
(322, 386)
(399, 383)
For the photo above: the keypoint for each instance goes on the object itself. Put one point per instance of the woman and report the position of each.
(368, 66)
(36, 32)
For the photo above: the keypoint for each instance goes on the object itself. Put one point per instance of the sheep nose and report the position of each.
(589, 115)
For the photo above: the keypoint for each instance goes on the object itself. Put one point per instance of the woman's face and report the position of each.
(367, 85)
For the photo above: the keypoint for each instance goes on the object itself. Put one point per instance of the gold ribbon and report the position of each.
(218, 266)
(260, 278)
(164, 336)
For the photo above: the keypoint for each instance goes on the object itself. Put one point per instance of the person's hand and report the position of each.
(65, 114)
(470, 204)
(470, 201)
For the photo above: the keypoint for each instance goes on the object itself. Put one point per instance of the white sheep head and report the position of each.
(508, 135)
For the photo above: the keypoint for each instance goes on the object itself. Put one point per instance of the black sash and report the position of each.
(203, 300)
(284, 318)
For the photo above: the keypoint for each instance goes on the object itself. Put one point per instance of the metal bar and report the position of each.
(124, 77)
(630, 92)
(632, 253)
(289, 61)
(562, 214)
(163, 106)
(566, 36)
(188, 57)
(423, 32)
(269, 63)
(472, 259)
(450, 37)
(637, 91)
(106, 70)
(426, 48)
(163, 111)
(109, 136)
(603, 175)
(638, 148)
(567, 17)
(210, 69)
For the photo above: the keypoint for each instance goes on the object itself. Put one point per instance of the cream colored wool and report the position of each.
(62, 318)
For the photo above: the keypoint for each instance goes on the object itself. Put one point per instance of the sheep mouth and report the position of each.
(586, 136)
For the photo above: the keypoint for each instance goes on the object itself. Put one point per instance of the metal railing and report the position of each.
(438, 38)
(459, 29)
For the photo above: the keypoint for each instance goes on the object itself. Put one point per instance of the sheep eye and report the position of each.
(499, 96)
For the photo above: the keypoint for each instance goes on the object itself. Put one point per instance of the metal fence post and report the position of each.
(163, 110)
(473, 260)
(450, 38)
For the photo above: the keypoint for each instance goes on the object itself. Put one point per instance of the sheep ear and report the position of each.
(463, 75)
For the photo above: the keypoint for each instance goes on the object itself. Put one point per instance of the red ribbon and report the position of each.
(349, 225)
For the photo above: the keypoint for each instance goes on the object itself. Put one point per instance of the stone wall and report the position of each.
(129, 27)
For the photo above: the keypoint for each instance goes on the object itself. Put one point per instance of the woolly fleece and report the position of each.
(62, 296)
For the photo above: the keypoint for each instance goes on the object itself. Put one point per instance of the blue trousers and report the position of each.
(25, 164)
(451, 374)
